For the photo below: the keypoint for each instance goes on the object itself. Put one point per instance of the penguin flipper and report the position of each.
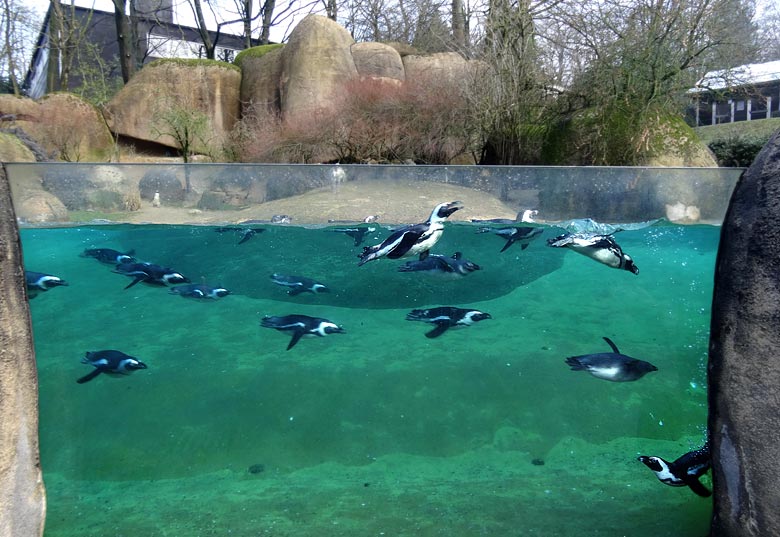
(86, 378)
(436, 332)
(524, 246)
(509, 242)
(134, 282)
(296, 337)
(698, 488)
(424, 255)
(611, 344)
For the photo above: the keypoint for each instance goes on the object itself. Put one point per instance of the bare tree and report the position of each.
(127, 37)
(17, 23)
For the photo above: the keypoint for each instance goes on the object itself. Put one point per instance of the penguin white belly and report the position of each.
(602, 255)
(426, 241)
(606, 373)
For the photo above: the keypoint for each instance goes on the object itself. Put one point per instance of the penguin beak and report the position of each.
(450, 208)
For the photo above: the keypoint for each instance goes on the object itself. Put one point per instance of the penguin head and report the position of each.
(628, 264)
(124, 258)
(132, 364)
(174, 278)
(443, 210)
(467, 267)
(331, 328)
(656, 464)
(481, 316)
(219, 292)
(50, 282)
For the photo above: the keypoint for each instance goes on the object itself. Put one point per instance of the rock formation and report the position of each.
(22, 495)
(744, 361)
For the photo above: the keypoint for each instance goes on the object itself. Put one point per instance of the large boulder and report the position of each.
(98, 188)
(65, 125)
(261, 69)
(379, 61)
(13, 150)
(744, 357)
(166, 91)
(315, 63)
(449, 67)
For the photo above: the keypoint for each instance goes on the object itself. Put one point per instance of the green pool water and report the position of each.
(378, 431)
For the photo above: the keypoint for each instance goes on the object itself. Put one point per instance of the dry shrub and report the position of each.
(132, 200)
(427, 121)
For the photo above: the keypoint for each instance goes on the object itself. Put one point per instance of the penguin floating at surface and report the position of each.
(299, 284)
(301, 325)
(150, 273)
(601, 248)
(111, 362)
(684, 471)
(245, 233)
(199, 290)
(39, 282)
(446, 317)
(611, 366)
(413, 239)
(522, 235)
(358, 233)
(109, 256)
(439, 264)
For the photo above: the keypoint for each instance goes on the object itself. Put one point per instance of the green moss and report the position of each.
(182, 62)
(88, 216)
(255, 52)
(759, 129)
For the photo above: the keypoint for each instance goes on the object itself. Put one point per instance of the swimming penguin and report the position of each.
(245, 233)
(150, 273)
(301, 325)
(522, 235)
(611, 366)
(435, 263)
(109, 256)
(446, 317)
(526, 215)
(358, 233)
(601, 248)
(299, 284)
(199, 290)
(38, 282)
(684, 471)
(413, 239)
(111, 362)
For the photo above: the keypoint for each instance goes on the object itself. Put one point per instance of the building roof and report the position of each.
(744, 75)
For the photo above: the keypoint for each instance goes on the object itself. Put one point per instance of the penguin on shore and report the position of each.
(111, 362)
(446, 317)
(684, 471)
(612, 366)
(522, 235)
(299, 284)
(109, 256)
(601, 248)
(413, 239)
(199, 291)
(39, 282)
(300, 326)
(455, 265)
(150, 273)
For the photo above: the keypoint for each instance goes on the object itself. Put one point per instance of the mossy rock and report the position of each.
(191, 62)
(255, 52)
(13, 150)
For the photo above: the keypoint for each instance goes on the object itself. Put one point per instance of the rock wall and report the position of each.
(22, 495)
(744, 361)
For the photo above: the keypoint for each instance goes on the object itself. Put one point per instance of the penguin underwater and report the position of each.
(522, 235)
(684, 471)
(150, 273)
(39, 282)
(446, 317)
(299, 284)
(199, 290)
(301, 325)
(109, 256)
(111, 362)
(439, 264)
(412, 239)
(601, 248)
(611, 366)
(245, 233)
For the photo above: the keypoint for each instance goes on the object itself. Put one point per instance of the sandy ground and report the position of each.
(395, 203)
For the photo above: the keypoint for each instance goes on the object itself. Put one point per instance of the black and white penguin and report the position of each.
(611, 366)
(39, 282)
(301, 325)
(200, 291)
(114, 363)
(299, 284)
(245, 233)
(358, 233)
(109, 256)
(525, 215)
(150, 273)
(522, 235)
(601, 248)
(684, 471)
(414, 239)
(446, 317)
(439, 264)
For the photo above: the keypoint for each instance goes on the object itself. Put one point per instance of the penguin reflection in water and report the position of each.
(111, 362)
(684, 471)
(612, 366)
(300, 326)
(601, 248)
(447, 317)
(414, 239)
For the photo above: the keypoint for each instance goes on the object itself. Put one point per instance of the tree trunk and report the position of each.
(203, 30)
(458, 25)
(127, 40)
